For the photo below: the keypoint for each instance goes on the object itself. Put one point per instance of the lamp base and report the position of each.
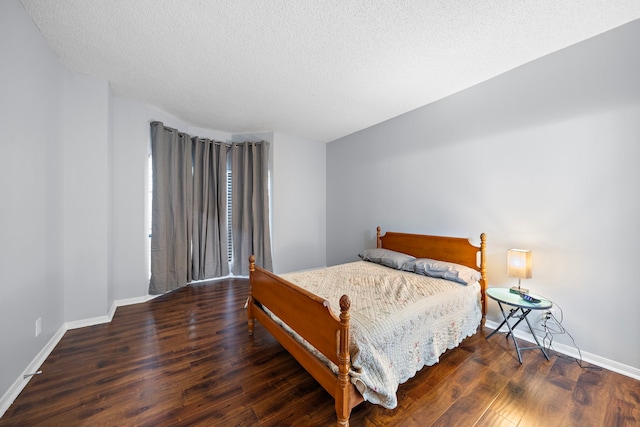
(517, 290)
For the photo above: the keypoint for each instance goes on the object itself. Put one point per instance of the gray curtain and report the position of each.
(171, 209)
(209, 234)
(250, 205)
(189, 208)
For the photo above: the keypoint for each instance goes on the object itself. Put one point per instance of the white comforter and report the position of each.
(400, 321)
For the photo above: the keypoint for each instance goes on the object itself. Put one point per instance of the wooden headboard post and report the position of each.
(483, 276)
(378, 241)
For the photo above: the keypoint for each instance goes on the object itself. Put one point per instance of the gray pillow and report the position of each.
(386, 257)
(444, 270)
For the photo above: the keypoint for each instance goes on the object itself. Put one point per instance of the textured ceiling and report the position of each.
(318, 69)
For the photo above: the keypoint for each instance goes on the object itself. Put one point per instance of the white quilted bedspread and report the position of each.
(400, 321)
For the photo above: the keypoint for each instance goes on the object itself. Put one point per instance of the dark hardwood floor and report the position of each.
(185, 358)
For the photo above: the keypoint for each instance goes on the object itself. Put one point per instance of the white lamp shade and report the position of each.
(519, 263)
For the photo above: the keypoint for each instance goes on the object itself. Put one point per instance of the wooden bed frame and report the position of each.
(311, 317)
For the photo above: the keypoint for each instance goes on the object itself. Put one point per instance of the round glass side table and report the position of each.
(519, 309)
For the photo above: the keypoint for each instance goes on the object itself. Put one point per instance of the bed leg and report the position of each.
(249, 303)
(250, 319)
(342, 411)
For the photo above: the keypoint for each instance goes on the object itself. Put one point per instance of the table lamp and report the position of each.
(519, 265)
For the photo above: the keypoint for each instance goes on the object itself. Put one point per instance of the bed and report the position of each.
(318, 334)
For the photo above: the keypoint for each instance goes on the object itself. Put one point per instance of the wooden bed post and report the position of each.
(343, 406)
(250, 318)
(378, 241)
(483, 277)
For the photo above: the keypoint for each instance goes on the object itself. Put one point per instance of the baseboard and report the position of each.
(20, 383)
(109, 316)
(131, 301)
(86, 322)
(34, 366)
(594, 359)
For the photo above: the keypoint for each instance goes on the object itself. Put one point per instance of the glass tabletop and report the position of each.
(505, 296)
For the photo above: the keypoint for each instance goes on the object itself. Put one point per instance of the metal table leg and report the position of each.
(513, 313)
(544, 351)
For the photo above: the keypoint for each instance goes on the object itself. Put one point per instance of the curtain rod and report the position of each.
(155, 122)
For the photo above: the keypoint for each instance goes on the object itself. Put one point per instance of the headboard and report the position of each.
(451, 249)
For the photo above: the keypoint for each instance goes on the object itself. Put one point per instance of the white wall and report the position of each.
(32, 84)
(544, 157)
(86, 197)
(299, 204)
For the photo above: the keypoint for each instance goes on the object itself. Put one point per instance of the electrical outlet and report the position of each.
(544, 314)
(548, 313)
(38, 326)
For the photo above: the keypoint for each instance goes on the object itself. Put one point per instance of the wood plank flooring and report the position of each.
(186, 359)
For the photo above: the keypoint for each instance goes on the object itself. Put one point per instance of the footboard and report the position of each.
(311, 317)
